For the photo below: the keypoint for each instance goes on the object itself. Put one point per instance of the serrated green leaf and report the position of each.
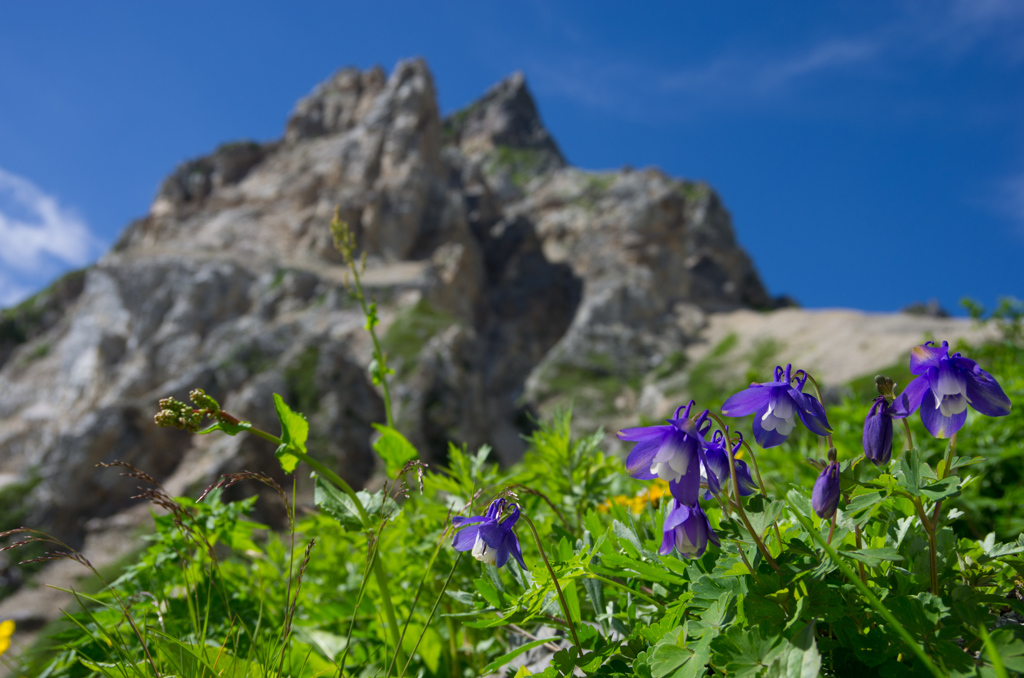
(947, 487)
(337, 504)
(294, 433)
(506, 658)
(799, 658)
(394, 449)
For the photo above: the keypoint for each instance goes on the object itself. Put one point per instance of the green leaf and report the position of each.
(678, 657)
(488, 591)
(337, 504)
(861, 506)
(294, 433)
(745, 650)
(506, 658)
(799, 657)
(394, 449)
(947, 487)
(874, 557)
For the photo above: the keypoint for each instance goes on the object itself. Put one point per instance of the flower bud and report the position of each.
(825, 496)
(877, 437)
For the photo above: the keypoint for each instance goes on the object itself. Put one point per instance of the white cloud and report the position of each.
(39, 238)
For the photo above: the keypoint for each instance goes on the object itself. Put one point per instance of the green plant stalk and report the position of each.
(739, 503)
(378, 570)
(593, 575)
(371, 556)
(868, 595)
(910, 436)
(993, 653)
(426, 624)
(764, 489)
(378, 353)
(419, 591)
(929, 528)
(558, 589)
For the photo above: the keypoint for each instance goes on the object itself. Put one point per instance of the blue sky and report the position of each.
(871, 153)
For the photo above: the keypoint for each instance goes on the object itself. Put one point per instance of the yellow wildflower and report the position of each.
(6, 631)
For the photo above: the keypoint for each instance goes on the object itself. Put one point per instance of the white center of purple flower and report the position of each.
(683, 544)
(779, 416)
(483, 552)
(671, 470)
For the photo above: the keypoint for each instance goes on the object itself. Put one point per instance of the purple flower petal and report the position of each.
(643, 433)
(638, 463)
(668, 542)
(763, 436)
(747, 401)
(925, 356)
(677, 515)
(501, 553)
(911, 398)
(465, 539)
(517, 552)
(985, 395)
(877, 436)
(687, 488)
(938, 424)
(459, 521)
(825, 495)
(812, 414)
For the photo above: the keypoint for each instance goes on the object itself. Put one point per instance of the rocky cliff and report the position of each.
(503, 274)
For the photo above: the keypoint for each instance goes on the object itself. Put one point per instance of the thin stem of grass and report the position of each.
(426, 624)
(558, 588)
(638, 594)
(870, 597)
(419, 591)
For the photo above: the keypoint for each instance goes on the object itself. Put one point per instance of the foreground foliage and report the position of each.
(917, 568)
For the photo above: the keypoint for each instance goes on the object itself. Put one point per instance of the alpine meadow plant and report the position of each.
(836, 567)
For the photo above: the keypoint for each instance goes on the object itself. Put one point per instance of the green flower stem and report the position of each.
(929, 528)
(426, 624)
(764, 489)
(378, 353)
(937, 512)
(910, 436)
(739, 500)
(860, 545)
(378, 570)
(593, 575)
(868, 595)
(558, 589)
(419, 591)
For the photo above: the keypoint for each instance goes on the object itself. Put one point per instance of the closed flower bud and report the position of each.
(878, 432)
(825, 497)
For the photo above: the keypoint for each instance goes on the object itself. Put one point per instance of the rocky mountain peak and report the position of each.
(500, 273)
(506, 116)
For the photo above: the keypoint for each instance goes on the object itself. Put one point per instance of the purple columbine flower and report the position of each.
(825, 496)
(672, 452)
(877, 436)
(718, 463)
(687, 530)
(489, 540)
(776, 403)
(946, 385)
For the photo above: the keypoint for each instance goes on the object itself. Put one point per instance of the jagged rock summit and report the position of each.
(501, 272)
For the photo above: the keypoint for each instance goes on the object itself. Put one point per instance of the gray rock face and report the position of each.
(495, 265)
